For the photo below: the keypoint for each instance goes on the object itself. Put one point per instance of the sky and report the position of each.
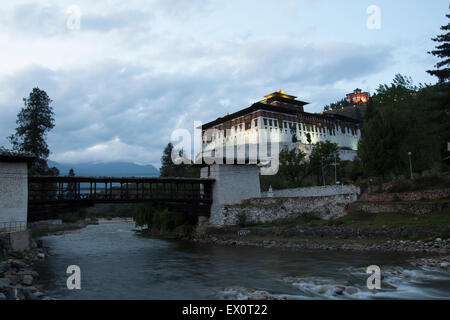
(123, 75)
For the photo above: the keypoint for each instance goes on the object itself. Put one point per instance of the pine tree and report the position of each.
(170, 169)
(71, 186)
(34, 121)
(442, 72)
(442, 51)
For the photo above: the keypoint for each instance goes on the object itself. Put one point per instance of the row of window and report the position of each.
(293, 126)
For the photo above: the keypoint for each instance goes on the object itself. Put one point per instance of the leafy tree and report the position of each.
(323, 155)
(34, 121)
(293, 166)
(337, 105)
(442, 71)
(398, 121)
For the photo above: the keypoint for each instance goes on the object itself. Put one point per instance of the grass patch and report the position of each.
(305, 219)
(421, 183)
(360, 218)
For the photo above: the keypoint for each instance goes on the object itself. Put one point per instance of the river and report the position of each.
(116, 263)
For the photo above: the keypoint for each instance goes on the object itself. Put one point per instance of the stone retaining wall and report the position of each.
(262, 210)
(409, 196)
(322, 191)
(394, 207)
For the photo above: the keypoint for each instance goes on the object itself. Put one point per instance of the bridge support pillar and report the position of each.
(233, 184)
(13, 194)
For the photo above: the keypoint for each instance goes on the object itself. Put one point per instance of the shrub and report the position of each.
(69, 217)
(242, 219)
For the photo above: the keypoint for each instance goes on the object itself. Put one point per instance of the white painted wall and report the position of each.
(13, 191)
(233, 184)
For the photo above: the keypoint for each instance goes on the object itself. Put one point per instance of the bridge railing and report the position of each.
(111, 189)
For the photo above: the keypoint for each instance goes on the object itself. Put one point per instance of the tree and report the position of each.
(294, 135)
(398, 121)
(34, 121)
(170, 169)
(71, 186)
(442, 72)
(442, 51)
(323, 155)
(308, 138)
(293, 166)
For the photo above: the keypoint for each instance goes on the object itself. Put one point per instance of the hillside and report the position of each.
(111, 169)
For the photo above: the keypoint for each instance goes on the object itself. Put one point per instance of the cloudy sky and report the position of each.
(124, 74)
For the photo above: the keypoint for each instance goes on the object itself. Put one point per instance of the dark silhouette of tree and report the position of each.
(323, 155)
(308, 138)
(170, 169)
(399, 121)
(71, 185)
(34, 121)
(442, 51)
(293, 167)
(442, 71)
(294, 135)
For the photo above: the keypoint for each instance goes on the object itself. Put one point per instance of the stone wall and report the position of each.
(262, 210)
(413, 208)
(323, 191)
(409, 196)
(13, 192)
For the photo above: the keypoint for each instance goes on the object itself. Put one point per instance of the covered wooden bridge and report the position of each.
(182, 194)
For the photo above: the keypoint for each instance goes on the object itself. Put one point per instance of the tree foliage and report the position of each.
(34, 121)
(442, 51)
(442, 72)
(293, 166)
(398, 121)
(337, 105)
(170, 169)
(323, 156)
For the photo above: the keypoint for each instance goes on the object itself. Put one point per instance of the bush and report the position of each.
(69, 217)
(242, 219)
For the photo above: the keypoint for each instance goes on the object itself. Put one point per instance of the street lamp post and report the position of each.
(335, 173)
(410, 164)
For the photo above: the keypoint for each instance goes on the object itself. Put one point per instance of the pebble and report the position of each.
(339, 290)
(27, 280)
(351, 290)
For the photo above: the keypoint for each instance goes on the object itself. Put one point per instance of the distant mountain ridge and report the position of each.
(110, 169)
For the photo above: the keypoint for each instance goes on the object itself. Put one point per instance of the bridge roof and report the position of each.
(9, 156)
(118, 179)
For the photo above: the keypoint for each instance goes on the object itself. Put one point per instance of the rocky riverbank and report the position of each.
(327, 238)
(18, 279)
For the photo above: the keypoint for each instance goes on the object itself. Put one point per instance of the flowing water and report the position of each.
(116, 263)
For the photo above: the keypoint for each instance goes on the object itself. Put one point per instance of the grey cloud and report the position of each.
(133, 108)
(50, 20)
